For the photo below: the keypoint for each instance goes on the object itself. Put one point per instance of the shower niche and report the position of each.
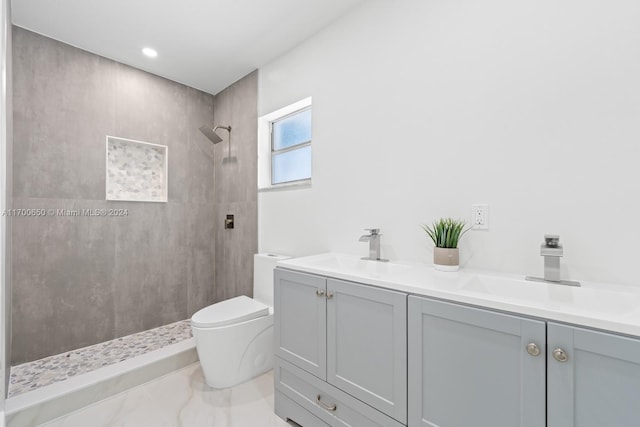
(136, 170)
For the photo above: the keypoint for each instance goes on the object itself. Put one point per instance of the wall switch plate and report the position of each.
(480, 217)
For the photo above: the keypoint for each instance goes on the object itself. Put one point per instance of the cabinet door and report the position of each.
(367, 345)
(471, 367)
(300, 320)
(598, 384)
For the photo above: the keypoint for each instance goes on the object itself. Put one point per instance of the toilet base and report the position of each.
(233, 354)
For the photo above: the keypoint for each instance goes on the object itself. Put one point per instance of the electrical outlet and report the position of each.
(480, 217)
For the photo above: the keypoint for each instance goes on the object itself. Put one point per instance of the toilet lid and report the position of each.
(228, 312)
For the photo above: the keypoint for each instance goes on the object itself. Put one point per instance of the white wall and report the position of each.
(422, 108)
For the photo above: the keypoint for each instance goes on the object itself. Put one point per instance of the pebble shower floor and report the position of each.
(39, 373)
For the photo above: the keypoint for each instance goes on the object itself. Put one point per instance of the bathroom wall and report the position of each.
(422, 108)
(6, 135)
(82, 280)
(236, 187)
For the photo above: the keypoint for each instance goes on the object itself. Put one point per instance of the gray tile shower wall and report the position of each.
(237, 188)
(80, 280)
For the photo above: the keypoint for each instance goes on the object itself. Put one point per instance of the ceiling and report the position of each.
(206, 44)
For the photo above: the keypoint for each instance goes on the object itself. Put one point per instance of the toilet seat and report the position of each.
(229, 312)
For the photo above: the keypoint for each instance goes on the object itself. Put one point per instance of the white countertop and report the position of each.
(608, 307)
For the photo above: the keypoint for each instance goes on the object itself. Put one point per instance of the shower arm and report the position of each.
(228, 129)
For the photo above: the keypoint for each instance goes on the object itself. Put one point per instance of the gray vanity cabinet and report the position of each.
(351, 339)
(474, 367)
(593, 378)
(352, 355)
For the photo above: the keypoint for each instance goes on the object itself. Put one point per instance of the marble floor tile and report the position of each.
(39, 373)
(182, 399)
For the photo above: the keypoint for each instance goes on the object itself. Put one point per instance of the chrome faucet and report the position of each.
(552, 251)
(374, 244)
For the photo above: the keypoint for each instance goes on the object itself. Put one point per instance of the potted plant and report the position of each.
(445, 233)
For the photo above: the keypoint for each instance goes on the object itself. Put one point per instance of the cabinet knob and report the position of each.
(329, 295)
(560, 355)
(325, 406)
(533, 349)
(319, 292)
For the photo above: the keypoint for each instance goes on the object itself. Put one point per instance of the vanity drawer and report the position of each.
(335, 407)
(287, 409)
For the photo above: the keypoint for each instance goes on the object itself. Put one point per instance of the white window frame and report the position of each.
(265, 146)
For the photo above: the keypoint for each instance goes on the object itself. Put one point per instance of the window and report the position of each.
(285, 146)
(291, 148)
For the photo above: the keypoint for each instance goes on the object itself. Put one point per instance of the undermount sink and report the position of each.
(353, 265)
(592, 299)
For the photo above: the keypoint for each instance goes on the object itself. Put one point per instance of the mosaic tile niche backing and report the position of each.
(136, 171)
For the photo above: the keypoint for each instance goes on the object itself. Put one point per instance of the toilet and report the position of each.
(234, 338)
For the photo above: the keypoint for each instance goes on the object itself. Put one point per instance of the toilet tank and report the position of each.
(263, 265)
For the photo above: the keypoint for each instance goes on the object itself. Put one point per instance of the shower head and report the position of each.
(210, 132)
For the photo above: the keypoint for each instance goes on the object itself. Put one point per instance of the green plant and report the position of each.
(446, 232)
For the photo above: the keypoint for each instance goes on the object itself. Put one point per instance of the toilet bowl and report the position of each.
(234, 338)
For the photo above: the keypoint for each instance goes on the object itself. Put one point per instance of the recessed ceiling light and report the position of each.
(151, 53)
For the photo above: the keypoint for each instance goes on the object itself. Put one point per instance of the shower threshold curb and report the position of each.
(55, 400)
